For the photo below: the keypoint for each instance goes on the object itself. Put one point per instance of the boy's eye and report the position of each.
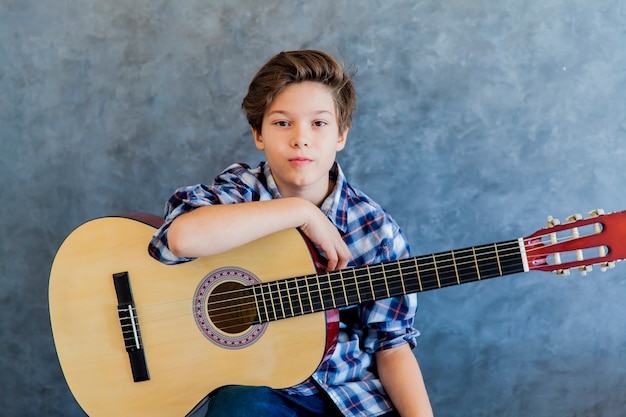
(319, 123)
(281, 123)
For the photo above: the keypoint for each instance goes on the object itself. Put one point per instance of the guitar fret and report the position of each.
(275, 301)
(476, 263)
(316, 293)
(401, 277)
(456, 270)
(256, 302)
(272, 299)
(512, 261)
(267, 317)
(409, 277)
(382, 266)
(306, 302)
(436, 271)
(394, 279)
(269, 301)
(308, 296)
(417, 271)
(326, 293)
(281, 306)
(495, 246)
(284, 300)
(377, 282)
(427, 272)
(488, 266)
(330, 289)
(465, 265)
(446, 269)
(351, 289)
(295, 281)
(369, 276)
(356, 285)
(287, 297)
(291, 311)
(365, 285)
(319, 291)
(343, 286)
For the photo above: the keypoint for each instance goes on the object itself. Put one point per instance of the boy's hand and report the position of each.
(323, 233)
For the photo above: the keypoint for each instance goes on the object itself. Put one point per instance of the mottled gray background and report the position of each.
(476, 119)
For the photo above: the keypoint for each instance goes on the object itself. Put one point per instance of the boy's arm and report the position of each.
(212, 229)
(402, 379)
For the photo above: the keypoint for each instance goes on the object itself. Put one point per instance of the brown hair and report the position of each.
(286, 68)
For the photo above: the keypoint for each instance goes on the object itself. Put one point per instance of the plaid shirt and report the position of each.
(349, 376)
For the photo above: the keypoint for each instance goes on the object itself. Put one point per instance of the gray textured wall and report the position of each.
(476, 119)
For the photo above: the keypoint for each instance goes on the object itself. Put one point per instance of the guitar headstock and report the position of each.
(579, 243)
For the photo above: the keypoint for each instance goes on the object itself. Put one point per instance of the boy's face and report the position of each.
(300, 137)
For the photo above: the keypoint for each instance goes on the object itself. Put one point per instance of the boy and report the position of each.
(299, 106)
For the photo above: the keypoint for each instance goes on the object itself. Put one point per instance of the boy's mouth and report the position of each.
(299, 161)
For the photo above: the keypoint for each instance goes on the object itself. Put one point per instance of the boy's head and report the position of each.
(292, 67)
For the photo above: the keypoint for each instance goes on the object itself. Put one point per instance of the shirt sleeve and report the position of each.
(236, 184)
(389, 322)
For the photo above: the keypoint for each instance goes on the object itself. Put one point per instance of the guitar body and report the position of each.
(184, 365)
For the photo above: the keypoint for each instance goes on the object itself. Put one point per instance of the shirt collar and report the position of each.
(270, 183)
(334, 206)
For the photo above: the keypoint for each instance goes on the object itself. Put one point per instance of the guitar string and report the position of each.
(335, 281)
(223, 314)
(323, 302)
(471, 257)
(451, 263)
(332, 278)
(351, 288)
(459, 263)
(219, 319)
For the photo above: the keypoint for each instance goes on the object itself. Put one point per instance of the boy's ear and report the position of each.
(258, 139)
(341, 142)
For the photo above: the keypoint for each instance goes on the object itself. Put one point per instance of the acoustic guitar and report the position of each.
(136, 337)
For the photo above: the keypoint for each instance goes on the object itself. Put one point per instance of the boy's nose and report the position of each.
(301, 137)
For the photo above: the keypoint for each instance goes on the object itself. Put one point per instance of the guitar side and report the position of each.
(183, 365)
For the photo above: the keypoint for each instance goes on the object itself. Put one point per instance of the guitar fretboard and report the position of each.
(319, 292)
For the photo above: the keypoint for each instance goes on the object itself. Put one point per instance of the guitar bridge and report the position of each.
(130, 327)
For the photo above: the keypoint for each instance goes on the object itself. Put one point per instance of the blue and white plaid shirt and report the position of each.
(349, 376)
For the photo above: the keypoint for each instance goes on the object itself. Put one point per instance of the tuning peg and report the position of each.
(606, 265)
(553, 222)
(584, 269)
(564, 272)
(596, 213)
(573, 218)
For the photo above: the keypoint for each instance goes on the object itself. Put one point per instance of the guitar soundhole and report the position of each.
(231, 307)
(225, 308)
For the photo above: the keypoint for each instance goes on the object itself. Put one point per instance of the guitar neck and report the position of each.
(319, 292)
